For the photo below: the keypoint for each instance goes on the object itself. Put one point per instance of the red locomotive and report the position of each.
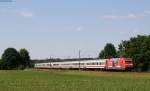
(119, 64)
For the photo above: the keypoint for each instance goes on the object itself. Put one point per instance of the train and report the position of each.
(99, 64)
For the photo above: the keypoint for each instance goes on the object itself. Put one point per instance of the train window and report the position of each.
(81, 63)
(88, 63)
(128, 62)
(103, 63)
(94, 63)
(76, 63)
(97, 63)
(128, 59)
(100, 63)
(48, 64)
(55, 64)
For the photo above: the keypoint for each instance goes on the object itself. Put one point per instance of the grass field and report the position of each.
(65, 80)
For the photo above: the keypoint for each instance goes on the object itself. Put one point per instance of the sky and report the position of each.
(60, 28)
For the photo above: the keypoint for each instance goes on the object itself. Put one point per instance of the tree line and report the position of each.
(12, 59)
(137, 48)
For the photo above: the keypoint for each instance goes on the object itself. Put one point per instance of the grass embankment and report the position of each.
(66, 80)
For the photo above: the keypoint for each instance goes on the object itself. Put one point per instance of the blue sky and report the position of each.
(59, 28)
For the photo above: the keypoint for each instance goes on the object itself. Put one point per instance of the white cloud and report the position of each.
(132, 16)
(110, 16)
(79, 28)
(25, 13)
(128, 16)
(147, 12)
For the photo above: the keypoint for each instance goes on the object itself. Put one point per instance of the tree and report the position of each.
(121, 50)
(138, 48)
(109, 51)
(10, 59)
(102, 54)
(25, 58)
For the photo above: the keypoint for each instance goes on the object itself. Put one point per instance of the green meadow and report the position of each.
(72, 80)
